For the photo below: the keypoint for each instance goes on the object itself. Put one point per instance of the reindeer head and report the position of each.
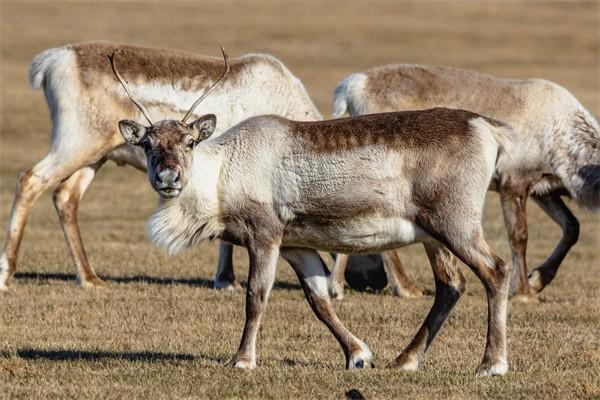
(168, 143)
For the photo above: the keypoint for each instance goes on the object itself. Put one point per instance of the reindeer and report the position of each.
(555, 154)
(353, 185)
(86, 102)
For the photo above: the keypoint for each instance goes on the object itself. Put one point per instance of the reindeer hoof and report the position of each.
(226, 285)
(405, 362)
(492, 369)
(535, 281)
(94, 282)
(336, 291)
(362, 364)
(5, 283)
(407, 293)
(242, 363)
(361, 359)
(5, 275)
(524, 298)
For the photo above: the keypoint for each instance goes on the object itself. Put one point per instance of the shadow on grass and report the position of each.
(152, 280)
(134, 356)
(354, 394)
(75, 355)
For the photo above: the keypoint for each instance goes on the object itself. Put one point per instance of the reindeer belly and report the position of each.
(359, 235)
(128, 155)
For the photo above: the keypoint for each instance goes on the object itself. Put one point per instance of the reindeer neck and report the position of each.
(194, 215)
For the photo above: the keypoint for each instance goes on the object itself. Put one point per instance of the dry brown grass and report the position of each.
(160, 331)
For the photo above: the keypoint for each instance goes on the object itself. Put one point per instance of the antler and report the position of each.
(211, 88)
(124, 84)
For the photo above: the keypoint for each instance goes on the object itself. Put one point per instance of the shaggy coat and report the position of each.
(353, 185)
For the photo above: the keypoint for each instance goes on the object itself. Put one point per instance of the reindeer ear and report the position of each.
(204, 126)
(132, 131)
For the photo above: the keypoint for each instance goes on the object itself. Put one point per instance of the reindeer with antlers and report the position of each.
(85, 103)
(354, 185)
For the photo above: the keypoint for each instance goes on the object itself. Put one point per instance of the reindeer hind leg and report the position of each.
(67, 197)
(30, 185)
(493, 272)
(64, 159)
(449, 286)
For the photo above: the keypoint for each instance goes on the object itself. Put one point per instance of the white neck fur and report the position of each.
(194, 215)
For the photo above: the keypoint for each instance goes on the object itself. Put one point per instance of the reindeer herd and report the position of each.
(258, 167)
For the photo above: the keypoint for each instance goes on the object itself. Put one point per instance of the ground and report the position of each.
(160, 331)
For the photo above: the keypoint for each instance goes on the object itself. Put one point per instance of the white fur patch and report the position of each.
(359, 235)
(42, 63)
(308, 264)
(498, 369)
(64, 98)
(262, 89)
(411, 364)
(348, 96)
(174, 227)
(492, 138)
(3, 272)
(193, 216)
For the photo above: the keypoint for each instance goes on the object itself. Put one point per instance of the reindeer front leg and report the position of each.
(261, 275)
(401, 284)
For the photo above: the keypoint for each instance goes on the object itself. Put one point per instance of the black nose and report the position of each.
(167, 177)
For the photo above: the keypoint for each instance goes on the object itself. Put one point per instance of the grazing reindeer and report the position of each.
(557, 151)
(86, 102)
(353, 185)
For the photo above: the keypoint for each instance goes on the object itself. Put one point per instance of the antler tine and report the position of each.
(211, 88)
(124, 84)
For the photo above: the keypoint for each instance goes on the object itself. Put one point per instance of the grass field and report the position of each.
(160, 331)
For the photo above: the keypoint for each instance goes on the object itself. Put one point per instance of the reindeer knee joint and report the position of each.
(519, 236)
(23, 178)
(60, 198)
(65, 206)
(501, 268)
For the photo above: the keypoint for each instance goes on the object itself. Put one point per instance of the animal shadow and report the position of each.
(152, 280)
(77, 355)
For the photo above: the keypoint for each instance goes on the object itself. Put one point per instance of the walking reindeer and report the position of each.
(354, 185)
(86, 102)
(556, 152)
